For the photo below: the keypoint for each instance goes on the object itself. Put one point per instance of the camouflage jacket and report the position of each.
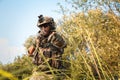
(54, 41)
(51, 47)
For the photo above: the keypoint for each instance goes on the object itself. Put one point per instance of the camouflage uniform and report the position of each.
(51, 47)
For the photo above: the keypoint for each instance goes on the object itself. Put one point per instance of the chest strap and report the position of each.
(50, 36)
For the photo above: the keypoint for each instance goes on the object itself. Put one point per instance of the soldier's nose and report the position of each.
(43, 28)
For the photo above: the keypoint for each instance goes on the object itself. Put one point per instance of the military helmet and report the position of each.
(46, 20)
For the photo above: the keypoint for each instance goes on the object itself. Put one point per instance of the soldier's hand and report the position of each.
(31, 49)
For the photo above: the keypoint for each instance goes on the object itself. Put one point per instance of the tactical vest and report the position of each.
(52, 47)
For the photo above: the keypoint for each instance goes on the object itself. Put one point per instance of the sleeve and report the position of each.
(58, 41)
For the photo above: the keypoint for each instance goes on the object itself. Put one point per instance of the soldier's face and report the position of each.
(45, 29)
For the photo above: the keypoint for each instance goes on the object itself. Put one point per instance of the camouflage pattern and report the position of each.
(51, 47)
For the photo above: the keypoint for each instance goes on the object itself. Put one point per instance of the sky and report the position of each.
(18, 19)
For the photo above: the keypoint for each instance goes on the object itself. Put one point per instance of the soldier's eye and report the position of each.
(45, 25)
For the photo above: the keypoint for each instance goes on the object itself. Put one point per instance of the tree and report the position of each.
(74, 6)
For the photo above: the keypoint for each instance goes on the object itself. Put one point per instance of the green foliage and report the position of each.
(20, 68)
(29, 41)
(98, 33)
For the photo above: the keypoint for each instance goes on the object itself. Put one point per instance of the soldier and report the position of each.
(48, 42)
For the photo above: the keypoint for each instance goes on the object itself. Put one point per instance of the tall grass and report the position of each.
(82, 33)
